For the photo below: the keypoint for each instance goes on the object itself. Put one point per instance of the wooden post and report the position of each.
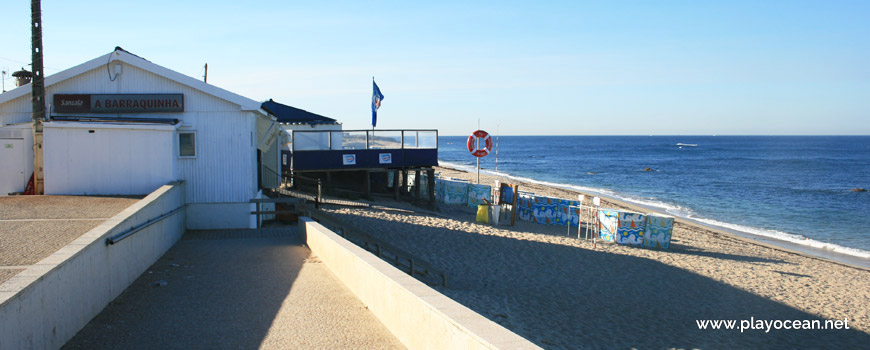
(404, 182)
(514, 204)
(258, 215)
(430, 174)
(417, 184)
(37, 97)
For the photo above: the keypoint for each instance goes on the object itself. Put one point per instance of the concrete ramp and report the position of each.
(236, 289)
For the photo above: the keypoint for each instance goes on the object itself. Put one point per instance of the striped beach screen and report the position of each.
(658, 231)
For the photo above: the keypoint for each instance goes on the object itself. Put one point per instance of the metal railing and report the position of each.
(416, 267)
(121, 236)
(329, 140)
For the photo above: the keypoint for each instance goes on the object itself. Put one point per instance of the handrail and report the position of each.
(121, 236)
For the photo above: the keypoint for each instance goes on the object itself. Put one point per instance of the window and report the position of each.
(186, 144)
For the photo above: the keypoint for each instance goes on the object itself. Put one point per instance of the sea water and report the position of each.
(796, 189)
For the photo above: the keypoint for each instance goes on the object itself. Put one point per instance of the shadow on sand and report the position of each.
(569, 297)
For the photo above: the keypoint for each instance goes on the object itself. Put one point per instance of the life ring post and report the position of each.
(475, 148)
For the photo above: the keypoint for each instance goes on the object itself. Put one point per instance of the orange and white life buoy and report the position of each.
(472, 143)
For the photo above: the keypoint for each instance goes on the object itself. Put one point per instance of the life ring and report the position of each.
(487, 143)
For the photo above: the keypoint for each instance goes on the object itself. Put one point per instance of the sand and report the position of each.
(562, 293)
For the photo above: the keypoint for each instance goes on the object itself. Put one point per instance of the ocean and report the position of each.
(795, 189)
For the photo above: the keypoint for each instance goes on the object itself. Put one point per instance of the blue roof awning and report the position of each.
(292, 115)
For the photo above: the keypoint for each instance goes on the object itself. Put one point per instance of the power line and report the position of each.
(17, 61)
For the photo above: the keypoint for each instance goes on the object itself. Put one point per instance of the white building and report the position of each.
(121, 125)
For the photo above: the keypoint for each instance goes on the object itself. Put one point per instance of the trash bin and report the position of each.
(494, 214)
(483, 213)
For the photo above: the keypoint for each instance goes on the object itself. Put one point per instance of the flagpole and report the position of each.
(373, 126)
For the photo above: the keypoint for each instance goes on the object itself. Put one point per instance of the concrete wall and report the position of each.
(418, 315)
(47, 304)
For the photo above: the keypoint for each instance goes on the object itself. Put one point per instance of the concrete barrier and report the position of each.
(48, 303)
(419, 316)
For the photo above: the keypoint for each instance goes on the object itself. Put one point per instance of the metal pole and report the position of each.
(317, 200)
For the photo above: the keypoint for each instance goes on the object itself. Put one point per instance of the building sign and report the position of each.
(118, 103)
(385, 158)
(348, 159)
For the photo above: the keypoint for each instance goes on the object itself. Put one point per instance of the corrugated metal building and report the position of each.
(121, 125)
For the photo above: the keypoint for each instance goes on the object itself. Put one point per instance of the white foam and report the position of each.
(685, 213)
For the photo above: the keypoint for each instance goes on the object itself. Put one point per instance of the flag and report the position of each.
(377, 96)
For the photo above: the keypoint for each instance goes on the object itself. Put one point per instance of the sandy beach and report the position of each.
(562, 293)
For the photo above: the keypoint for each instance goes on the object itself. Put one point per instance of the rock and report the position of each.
(858, 189)
(160, 283)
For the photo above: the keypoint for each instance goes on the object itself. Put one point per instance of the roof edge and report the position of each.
(122, 55)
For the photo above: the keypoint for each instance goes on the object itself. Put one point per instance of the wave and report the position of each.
(787, 237)
(681, 212)
(687, 144)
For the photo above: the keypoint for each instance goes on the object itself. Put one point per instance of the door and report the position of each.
(12, 166)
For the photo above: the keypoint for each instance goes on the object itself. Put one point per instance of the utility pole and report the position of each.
(205, 75)
(3, 74)
(37, 95)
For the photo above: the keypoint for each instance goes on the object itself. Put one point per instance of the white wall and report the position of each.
(47, 304)
(222, 170)
(104, 159)
(17, 110)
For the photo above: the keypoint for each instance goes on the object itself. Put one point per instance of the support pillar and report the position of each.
(396, 184)
(404, 182)
(417, 184)
(430, 176)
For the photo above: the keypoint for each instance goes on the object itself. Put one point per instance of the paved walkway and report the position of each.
(34, 227)
(236, 289)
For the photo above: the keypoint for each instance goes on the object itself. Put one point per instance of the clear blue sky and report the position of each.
(522, 68)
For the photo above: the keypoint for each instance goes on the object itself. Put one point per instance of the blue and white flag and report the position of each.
(377, 96)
